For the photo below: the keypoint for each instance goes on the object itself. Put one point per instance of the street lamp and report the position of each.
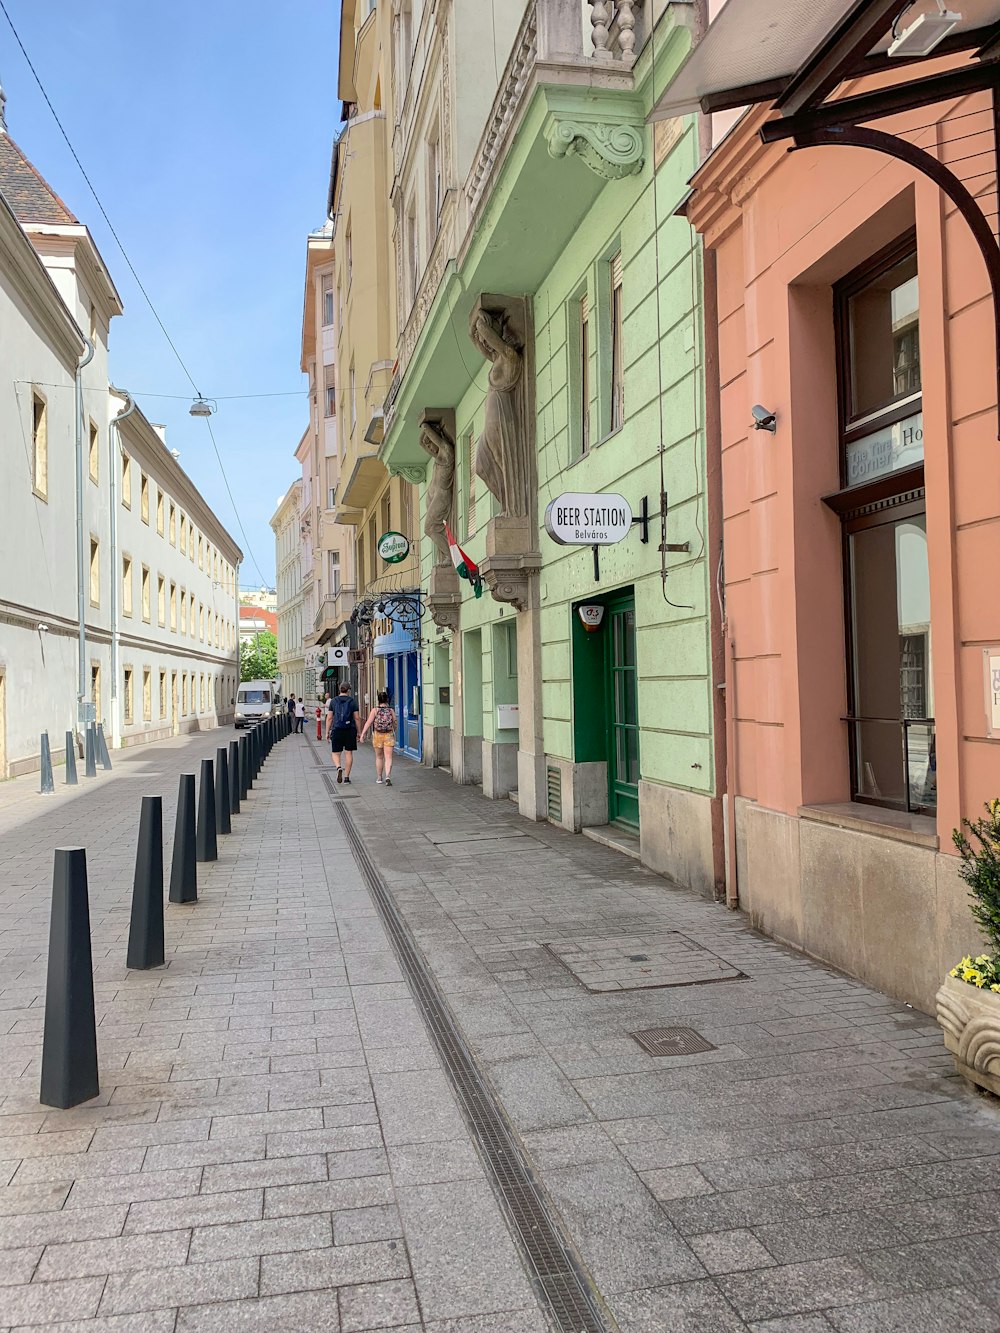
(201, 407)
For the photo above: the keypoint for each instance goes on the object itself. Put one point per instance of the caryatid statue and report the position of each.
(501, 454)
(436, 441)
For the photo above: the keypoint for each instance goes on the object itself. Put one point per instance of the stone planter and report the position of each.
(970, 1019)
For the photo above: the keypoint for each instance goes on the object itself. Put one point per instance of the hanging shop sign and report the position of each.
(577, 519)
(393, 547)
(591, 616)
(337, 656)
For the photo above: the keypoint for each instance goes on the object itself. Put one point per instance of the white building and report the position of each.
(287, 526)
(59, 587)
(179, 604)
(265, 598)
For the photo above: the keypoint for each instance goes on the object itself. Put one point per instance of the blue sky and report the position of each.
(206, 128)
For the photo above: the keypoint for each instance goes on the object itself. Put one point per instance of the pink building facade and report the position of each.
(861, 538)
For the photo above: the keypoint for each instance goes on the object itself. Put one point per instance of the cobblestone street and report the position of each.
(279, 1144)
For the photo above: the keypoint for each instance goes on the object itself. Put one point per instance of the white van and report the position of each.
(254, 701)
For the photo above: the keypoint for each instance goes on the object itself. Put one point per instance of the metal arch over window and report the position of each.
(797, 56)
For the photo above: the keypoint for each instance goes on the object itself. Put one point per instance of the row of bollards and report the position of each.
(69, 1043)
(95, 751)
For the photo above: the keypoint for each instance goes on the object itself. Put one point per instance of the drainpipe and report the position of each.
(113, 453)
(81, 559)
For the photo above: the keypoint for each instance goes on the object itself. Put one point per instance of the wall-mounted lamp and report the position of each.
(763, 419)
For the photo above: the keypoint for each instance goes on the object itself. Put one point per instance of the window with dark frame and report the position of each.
(883, 512)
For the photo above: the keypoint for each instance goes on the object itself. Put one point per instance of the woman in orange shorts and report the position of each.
(381, 721)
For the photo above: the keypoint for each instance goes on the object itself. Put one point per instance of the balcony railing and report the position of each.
(602, 42)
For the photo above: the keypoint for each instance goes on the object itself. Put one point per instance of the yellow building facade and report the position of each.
(367, 501)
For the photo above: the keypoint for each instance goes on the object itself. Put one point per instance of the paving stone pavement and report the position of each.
(277, 1146)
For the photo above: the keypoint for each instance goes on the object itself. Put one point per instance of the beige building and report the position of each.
(286, 525)
(328, 580)
(369, 503)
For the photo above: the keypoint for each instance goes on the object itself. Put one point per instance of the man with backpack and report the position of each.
(343, 718)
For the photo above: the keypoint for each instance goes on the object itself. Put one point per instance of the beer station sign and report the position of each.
(585, 519)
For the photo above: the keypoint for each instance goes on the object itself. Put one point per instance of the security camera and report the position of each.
(42, 627)
(763, 419)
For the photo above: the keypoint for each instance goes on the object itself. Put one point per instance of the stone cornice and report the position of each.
(29, 276)
(90, 267)
(731, 174)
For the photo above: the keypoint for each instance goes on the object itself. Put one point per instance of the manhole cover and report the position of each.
(641, 961)
(671, 1041)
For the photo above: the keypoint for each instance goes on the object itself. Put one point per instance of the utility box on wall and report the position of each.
(508, 717)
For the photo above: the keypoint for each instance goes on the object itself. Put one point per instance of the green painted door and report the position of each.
(623, 749)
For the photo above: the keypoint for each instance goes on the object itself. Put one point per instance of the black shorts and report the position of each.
(343, 738)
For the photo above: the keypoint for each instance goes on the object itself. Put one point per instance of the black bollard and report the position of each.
(102, 747)
(234, 777)
(145, 935)
(183, 867)
(71, 779)
(244, 768)
(48, 785)
(89, 750)
(206, 843)
(69, 1043)
(223, 824)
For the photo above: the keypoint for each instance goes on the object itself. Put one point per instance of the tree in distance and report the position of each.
(259, 657)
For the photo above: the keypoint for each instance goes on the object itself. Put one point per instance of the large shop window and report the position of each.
(882, 507)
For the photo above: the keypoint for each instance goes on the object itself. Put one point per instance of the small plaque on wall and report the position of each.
(444, 694)
(991, 681)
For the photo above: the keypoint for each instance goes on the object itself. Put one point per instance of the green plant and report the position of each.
(259, 657)
(978, 844)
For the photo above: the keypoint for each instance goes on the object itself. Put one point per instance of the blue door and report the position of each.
(403, 683)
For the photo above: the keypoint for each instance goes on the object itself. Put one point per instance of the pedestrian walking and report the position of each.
(343, 720)
(381, 721)
(300, 715)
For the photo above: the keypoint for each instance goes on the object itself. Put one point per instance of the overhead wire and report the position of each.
(139, 283)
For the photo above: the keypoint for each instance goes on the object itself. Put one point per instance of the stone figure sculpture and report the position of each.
(501, 453)
(436, 441)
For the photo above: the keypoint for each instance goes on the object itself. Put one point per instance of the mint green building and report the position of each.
(554, 347)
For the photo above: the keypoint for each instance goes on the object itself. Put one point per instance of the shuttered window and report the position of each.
(617, 360)
(584, 373)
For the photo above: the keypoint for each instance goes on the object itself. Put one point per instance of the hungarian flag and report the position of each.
(465, 566)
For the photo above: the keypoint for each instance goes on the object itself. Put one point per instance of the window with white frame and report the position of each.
(434, 179)
(39, 447)
(327, 301)
(412, 250)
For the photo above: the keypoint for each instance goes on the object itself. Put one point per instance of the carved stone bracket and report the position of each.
(415, 473)
(610, 150)
(512, 578)
(444, 600)
(510, 569)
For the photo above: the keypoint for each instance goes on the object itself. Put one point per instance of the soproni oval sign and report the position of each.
(577, 519)
(393, 547)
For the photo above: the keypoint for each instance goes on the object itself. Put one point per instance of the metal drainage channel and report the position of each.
(558, 1274)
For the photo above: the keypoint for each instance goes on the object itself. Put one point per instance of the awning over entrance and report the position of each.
(754, 48)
